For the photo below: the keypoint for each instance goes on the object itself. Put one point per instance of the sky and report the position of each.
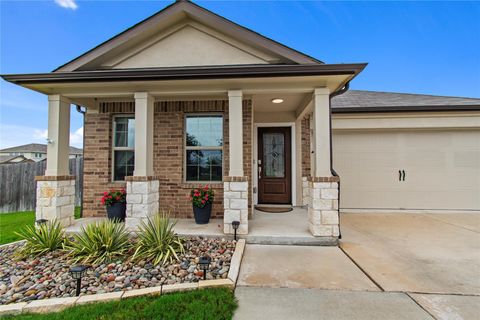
(414, 47)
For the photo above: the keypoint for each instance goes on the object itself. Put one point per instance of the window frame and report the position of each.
(186, 148)
(113, 149)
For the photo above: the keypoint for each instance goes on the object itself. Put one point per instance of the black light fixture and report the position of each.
(39, 222)
(204, 263)
(235, 225)
(77, 273)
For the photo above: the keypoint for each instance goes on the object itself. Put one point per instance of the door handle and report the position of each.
(259, 172)
(399, 175)
(403, 171)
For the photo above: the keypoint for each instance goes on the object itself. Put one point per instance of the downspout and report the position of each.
(334, 173)
(79, 110)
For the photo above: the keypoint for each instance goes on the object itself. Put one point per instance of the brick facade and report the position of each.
(168, 154)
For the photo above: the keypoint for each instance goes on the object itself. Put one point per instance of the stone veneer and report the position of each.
(235, 204)
(55, 199)
(323, 209)
(142, 199)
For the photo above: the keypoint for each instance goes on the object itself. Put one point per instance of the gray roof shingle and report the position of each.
(37, 147)
(363, 101)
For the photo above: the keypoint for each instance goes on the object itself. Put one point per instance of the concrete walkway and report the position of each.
(314, 304)
(390, 266)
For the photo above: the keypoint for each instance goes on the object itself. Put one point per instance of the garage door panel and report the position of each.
(442, 169)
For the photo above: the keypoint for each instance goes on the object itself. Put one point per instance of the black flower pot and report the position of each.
(202, 215)
(117, 211)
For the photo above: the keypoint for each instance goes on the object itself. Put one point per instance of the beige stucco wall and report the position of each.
(190, 45)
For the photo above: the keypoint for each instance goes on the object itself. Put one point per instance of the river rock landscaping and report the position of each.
(48, 276)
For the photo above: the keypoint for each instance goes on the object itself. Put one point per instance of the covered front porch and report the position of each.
(156, 176)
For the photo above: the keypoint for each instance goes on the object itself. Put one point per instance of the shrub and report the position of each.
(157, 242)
(41, 239)
(99, 243)
(201, 196)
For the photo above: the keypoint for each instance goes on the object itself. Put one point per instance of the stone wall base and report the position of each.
(235, 193)
(142, 199)
(56, 199)
(323, 218)
(305, 192)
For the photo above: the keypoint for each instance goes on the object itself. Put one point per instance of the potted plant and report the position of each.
(116, 204)
(202, 199)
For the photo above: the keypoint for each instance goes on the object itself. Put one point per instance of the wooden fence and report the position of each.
(18, 187)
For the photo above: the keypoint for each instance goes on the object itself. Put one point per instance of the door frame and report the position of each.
(293, 161)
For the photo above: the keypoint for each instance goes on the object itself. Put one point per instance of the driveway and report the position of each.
(428, 253)
(389, 266)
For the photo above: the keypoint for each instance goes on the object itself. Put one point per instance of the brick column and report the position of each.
(323, 212)
(235, 199)
(55, 199)
(142, 198)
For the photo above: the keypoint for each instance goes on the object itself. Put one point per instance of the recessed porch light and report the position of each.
(277, 100)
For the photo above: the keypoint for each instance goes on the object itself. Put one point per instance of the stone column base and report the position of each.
(142, 199)
(323, 212)
(235, 200)
(55, 199)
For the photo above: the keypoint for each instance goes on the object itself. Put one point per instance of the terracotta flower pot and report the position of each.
(117, 211)
(202, 215)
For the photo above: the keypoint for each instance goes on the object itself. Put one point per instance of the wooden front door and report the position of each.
(274, 165)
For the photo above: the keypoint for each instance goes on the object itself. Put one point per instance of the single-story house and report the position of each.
(36, 151)
(187, 97)
(6, 159)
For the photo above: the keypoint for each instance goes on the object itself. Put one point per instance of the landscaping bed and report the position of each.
(47, 276)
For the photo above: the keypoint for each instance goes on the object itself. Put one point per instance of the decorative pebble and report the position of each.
(48, 276)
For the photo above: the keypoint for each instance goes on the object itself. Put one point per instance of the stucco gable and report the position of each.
(203, 38)
(190, 44)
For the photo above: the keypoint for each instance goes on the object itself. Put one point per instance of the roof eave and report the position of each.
(393, 109)
(196, 73)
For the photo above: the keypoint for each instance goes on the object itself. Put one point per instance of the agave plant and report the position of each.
(99, 242)
(157, 242)
(41, 239)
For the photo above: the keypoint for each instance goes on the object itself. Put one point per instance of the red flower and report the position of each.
(105, 193)
(203, 201)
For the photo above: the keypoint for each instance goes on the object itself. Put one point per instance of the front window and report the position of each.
(204, 148)
(123, 147)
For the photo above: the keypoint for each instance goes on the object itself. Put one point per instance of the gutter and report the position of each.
(79, 110)
(187, 73)
(334, 173)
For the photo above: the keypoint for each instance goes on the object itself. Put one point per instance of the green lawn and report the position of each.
(214, 304)
(14, 221)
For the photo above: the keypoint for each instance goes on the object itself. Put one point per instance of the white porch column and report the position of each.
(56, 190)
(321, 130)
(235, 133)
(58, 147)
(143, 186)
(235, 185)
(144, 111)
(323, 209)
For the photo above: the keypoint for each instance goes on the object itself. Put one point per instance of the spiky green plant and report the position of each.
(41, 239)
(157, 242)
(99, 242)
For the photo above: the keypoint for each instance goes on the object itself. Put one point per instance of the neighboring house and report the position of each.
(13, 159)
(187, 97)
(36, 151)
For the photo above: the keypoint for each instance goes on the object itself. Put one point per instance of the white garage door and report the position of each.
(442, 169)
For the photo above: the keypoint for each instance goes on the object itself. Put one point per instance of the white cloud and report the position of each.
(69, 4)
(15, 135)
(76, 137)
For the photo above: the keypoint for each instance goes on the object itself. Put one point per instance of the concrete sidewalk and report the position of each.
(315, 304)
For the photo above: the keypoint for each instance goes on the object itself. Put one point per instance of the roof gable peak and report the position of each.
(242, 45)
